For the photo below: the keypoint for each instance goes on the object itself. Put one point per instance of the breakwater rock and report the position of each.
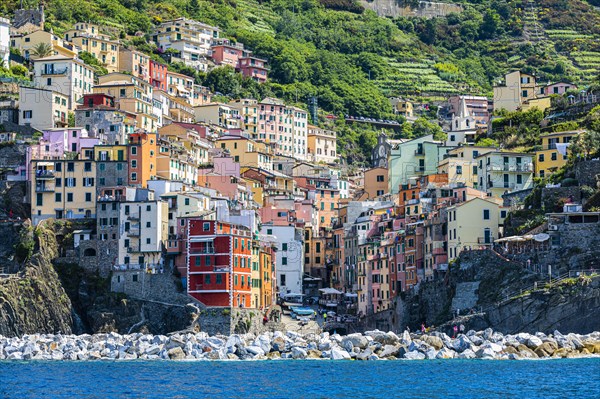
(372, 345)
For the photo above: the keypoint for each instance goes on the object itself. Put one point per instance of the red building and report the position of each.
(97, 101)
(158, 75)
(254, 68)
(219, 263)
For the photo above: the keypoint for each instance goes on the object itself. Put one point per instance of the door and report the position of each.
(487, 236)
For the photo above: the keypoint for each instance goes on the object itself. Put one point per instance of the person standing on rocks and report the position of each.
(462, 328)
(455, 330)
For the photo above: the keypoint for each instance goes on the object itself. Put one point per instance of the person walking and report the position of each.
(422, 328)
(455, 330)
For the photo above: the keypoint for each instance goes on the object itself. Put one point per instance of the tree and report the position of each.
(491, 22)
(42, 50)
(19, 70)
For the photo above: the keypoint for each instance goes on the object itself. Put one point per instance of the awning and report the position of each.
(351, 295)
(330, 291)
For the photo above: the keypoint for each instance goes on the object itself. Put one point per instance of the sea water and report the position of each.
(557, 378)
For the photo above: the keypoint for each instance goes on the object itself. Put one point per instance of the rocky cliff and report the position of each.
(33, 300)
(482, 290)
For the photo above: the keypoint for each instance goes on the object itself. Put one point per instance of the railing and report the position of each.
(484, 240)
(44, 189)
(133, 249)
(55, 71)
(44, 174)
(201, 251)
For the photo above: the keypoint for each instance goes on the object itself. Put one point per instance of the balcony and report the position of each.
(133, 249)
(134, 230)
(42, 174)
(54, 71)
(173, 247)
(133, 217)
(43, 188)
(202, 251)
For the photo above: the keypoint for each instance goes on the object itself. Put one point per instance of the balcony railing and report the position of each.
(202, 251)
(41, 174)
(44, 188)
(55, 71)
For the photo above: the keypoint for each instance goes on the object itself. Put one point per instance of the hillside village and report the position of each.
(247, 202)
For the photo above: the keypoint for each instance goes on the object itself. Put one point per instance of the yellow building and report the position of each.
(87, 37)
(117, 152)
(135, 63)
(248, 111)
(553, 153)
(246, 152)
(42, 109)
(472, 224)
(402, 107)
(321, 145)
(519, 91)
(26, 42)
(132, 95)
(62, 189)
(460, 165)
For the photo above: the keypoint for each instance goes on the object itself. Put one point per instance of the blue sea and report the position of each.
(564, 378)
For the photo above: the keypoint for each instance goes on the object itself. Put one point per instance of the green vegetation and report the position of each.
(352, 60)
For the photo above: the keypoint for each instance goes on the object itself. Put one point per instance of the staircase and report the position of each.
(532, 29)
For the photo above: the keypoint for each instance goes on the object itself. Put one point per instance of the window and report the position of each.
(27, 114)
(70, 182)
(69, 197)
(205, 226)
(148, 224)
(524, 93)
(553, 156)
(207, 279)
(284, 246)
(70, 166)
(58, 167)
(284, 260)
(134, 176)
(379, 178)
(87, 167)
(282, 280)
(88, 197)
(519, 179)
(187, 201)
(57, 197)
(133, 150)
(269, 231)
(219, 279)
(134, 163)
(148, 241)
(459, 170)
(486, 214)
(502, 214)
(541, 158)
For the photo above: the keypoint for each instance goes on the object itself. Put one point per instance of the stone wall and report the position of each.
(228, 321)
(396, 8)
(516, 197)
(551, 197)
(160, 287)
(586, 171)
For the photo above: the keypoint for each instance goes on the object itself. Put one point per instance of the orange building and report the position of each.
(376, 183)
(142, 158)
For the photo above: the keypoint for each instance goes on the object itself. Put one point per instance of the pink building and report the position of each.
(275, 122)
(559, 88)
(255, 68)
(227, 53)
(158, 75)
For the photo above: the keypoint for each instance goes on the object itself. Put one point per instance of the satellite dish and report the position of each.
(541, 237)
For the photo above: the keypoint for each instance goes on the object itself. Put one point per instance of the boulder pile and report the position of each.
(371, 345)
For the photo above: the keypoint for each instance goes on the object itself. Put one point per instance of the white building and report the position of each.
(290, 256)
(190, 39)
(69, 76)
(143, 231)
(299, 133)
(4, 41)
